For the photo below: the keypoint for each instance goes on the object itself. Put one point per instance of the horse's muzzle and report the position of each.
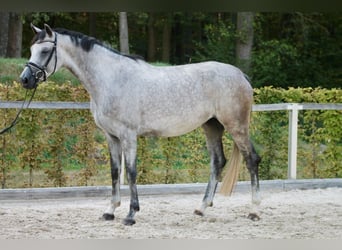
(28, 79)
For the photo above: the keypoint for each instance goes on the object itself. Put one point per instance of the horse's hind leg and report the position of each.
(129, 147)
(241, 138)
(213, 131)
(252, 161)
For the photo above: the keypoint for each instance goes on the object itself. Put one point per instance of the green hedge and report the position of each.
(55, 143)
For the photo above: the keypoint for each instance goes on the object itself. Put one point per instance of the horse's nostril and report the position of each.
(24, 80)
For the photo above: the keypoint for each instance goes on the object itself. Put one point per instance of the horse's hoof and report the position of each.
(198, 212)
(253, 217)
(128, 222)
(108, 216)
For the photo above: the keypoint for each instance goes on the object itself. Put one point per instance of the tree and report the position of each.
(15, 30)
(124, 47)
(218, 40)
(244, 41)
(167, 28)
(92, 23)
(4, 19)
(151, 51)
(297, 49)
(289, 49)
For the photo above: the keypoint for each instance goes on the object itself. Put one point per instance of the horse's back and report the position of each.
(193, 93)
(211, 75)
(224, 83)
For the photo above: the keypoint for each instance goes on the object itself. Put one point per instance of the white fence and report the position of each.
(293, 109)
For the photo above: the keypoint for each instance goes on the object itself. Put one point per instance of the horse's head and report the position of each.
(43, 60)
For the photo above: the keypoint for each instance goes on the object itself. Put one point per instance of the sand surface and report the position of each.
(296, 214)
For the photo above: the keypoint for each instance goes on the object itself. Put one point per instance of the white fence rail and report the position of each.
(293, 109)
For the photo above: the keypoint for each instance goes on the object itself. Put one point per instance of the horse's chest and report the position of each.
(110, 122)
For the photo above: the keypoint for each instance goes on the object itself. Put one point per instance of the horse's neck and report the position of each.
(93, 68)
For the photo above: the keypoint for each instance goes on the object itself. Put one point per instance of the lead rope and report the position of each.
(16, 119)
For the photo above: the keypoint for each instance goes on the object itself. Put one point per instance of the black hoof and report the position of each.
(253, 217)
(198, 212)
(128, 222)
(108, 216)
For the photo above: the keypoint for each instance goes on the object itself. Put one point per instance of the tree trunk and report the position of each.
(4, 20)
(244, 42)
(187, 38)
(15, 30)
(124, 47)
(92, 23)
(151, 51)
(167, 38)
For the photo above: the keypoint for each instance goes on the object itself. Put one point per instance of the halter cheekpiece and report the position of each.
(40, 74)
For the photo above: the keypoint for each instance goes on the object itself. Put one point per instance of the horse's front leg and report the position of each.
(130, 153)
(115, 163)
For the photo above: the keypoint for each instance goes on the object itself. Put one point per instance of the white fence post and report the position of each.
(292, 142)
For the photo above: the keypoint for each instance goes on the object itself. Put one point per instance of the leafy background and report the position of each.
(65, 148)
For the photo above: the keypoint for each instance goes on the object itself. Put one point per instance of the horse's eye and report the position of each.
(45, 51)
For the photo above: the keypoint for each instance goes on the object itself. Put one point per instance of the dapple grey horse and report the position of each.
(131, 98)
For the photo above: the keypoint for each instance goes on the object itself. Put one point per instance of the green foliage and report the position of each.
(297, 49)
(56, 149)
(29, 151)
(319, 135)
(274, 64)
(7, 149)
(270, 131)
(290, 48)
(10, 69)
(219, 44)
(56, 142)
(42, 140)
(83, 149)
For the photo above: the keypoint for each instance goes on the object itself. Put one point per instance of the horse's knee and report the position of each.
(131, 174)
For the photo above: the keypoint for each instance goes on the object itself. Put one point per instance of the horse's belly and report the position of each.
(173, 126)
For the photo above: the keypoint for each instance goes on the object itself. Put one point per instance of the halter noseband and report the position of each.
(40, 74)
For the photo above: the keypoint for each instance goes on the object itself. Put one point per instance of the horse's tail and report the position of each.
(232, 172)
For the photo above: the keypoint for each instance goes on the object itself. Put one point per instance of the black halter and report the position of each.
(40, 74)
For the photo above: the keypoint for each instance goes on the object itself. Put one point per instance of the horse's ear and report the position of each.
(48, 30)
(35, 29)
